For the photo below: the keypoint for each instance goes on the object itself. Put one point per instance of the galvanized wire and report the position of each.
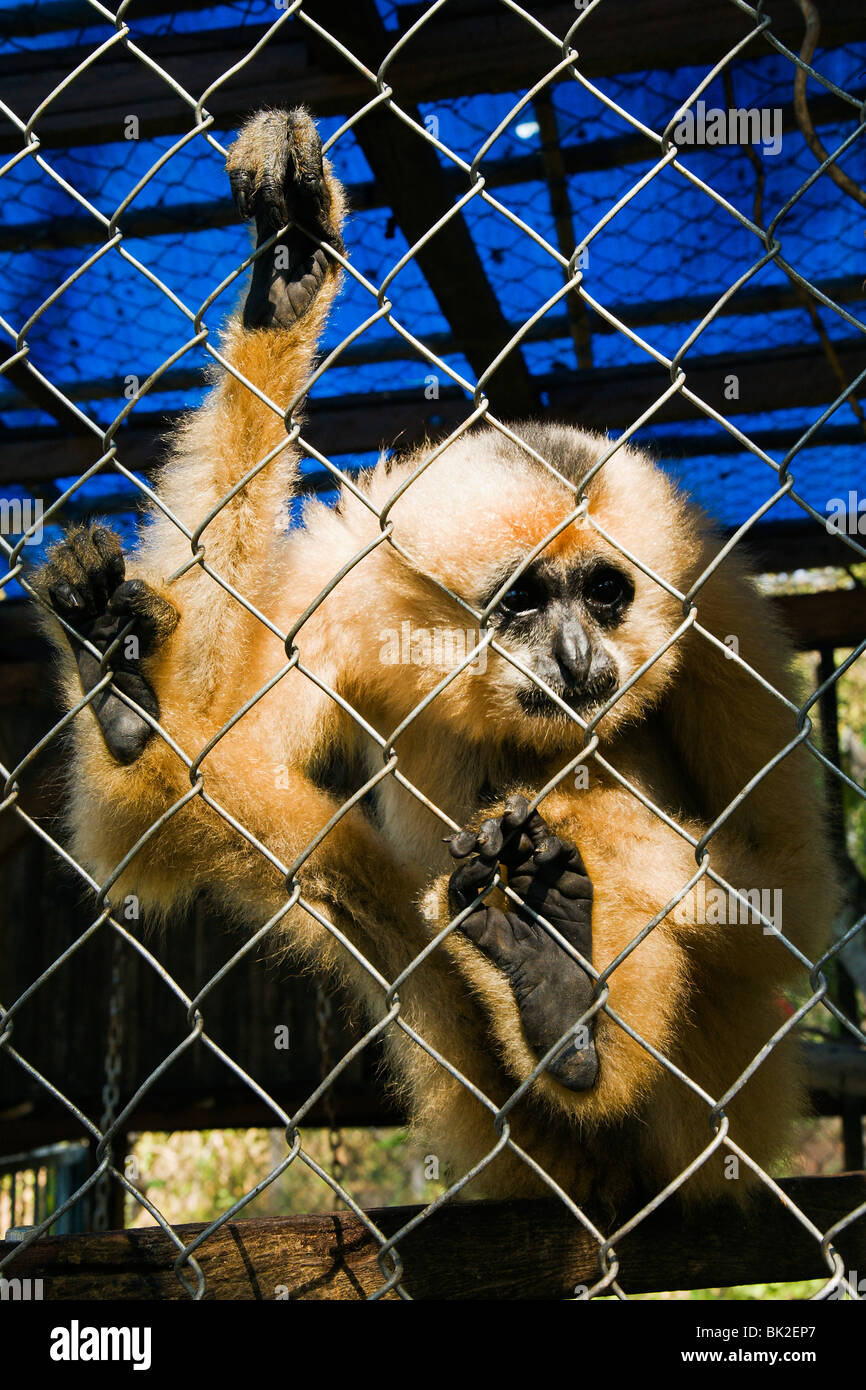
(564, 64)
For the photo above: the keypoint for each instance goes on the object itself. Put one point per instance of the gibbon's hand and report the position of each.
(277, 176)
(83, 581)
(550, 988)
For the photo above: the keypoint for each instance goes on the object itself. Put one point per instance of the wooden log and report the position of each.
(836, 618)
(473, 1250)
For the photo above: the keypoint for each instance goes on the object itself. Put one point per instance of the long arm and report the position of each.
(197, 653)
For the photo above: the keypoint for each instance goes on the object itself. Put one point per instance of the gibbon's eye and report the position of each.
(607, 588)
(527, 596)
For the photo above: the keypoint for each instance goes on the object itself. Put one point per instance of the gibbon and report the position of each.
(644, 1006)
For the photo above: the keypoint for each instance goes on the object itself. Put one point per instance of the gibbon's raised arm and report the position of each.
(595, 861)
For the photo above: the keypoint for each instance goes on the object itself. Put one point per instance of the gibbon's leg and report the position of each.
(550, 988)
(84, 582)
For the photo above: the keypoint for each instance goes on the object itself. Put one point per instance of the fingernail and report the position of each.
(547, 850)
(516, 808)
(461, 844)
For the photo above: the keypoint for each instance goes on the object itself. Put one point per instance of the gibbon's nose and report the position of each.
(573, 650)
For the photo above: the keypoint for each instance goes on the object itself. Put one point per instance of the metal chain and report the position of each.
(325, 1020)
(113, 1069)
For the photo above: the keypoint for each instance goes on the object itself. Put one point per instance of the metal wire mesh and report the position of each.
(473, 195)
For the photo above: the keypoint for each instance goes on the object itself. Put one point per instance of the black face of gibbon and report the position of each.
(563, 619)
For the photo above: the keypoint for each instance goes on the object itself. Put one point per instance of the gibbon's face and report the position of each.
(563, 615)
(581, 617)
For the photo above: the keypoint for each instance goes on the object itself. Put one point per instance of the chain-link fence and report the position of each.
(548, 210)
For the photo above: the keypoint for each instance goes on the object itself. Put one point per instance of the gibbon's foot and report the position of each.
(277, 175)
(83, 581)
(550, 988)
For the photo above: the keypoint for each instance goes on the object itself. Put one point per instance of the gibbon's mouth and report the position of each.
(537, 702)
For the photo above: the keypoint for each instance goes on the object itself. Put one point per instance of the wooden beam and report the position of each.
(179, 219)
(42, 455)
(532, 1250)
(836, 1068)
(369, 350)
(37, 395)
(777, 380)
(454, 55)
(27, 19)
(407, 170)
(602, 399)
(836, 618)
(689, 446)
(778, 547)
(43, 1120)
(576, 312)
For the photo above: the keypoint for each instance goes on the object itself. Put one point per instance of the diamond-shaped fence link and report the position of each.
(110, 235)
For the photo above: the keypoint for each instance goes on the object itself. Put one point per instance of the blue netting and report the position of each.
(670, 243)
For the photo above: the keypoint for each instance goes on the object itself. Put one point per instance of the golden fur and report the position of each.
(689, 735)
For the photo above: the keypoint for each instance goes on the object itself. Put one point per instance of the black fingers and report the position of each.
(288, 178)
(523, 843)
(278, 177)
(258, 177)
(83, 581)
(547, 873)
(308, 186)
(481, 850)
(82, 572)
(154, 617)
(468, 880)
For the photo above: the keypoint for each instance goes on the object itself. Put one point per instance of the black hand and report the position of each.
(83, 581)
(277, 175)
(548, 874)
